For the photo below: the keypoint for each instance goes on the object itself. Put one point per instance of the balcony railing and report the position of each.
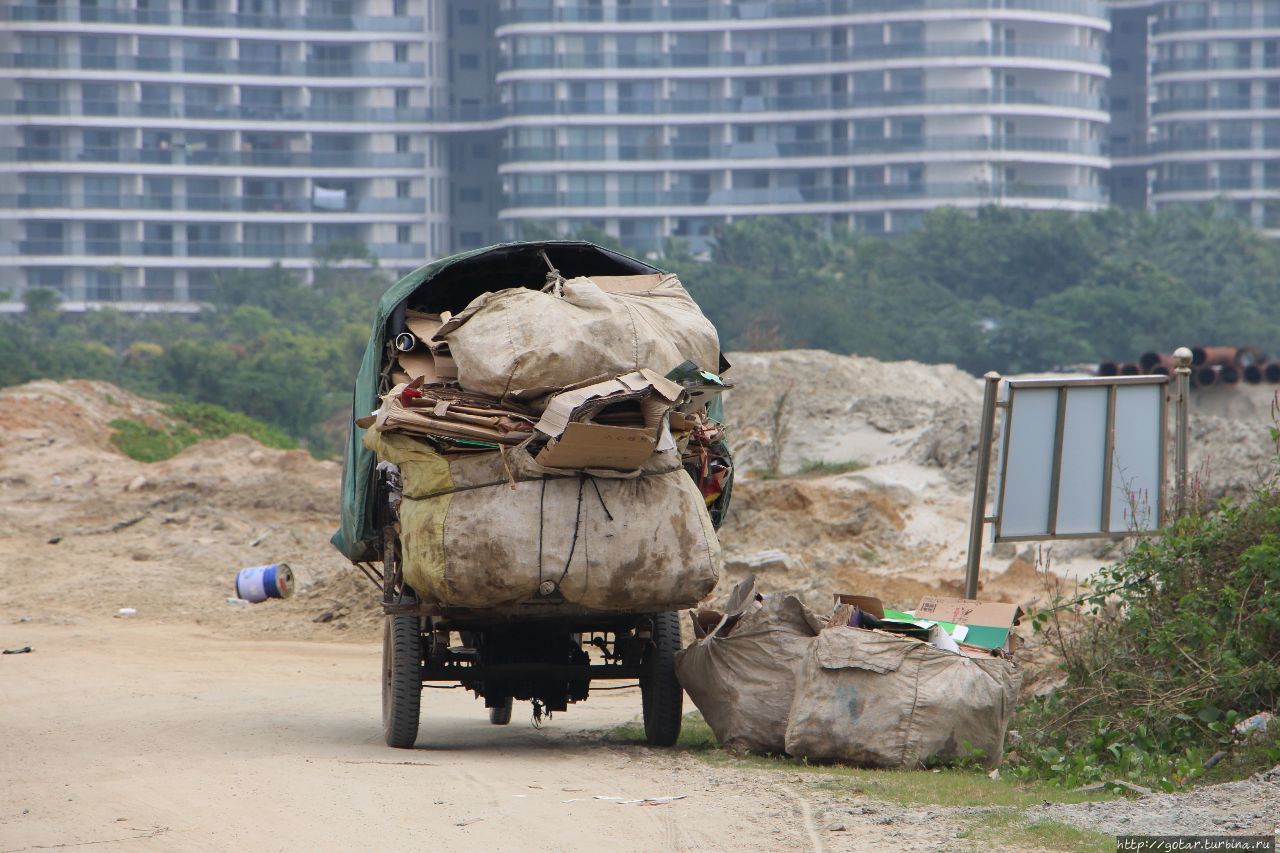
(216, 203)
(1219, 184)
(1209, 24)
(198, 249)
(831, 148)
(1266, 146)
(28, 11)
(1216, 104)
(1215, 63)
(344, 160)
(858, 53)
(237, 112)
(809, 195)
(178, 64)
(545, 11)
(797, 103)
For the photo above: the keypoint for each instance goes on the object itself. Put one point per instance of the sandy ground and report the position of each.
(125, 735)
(203, 725)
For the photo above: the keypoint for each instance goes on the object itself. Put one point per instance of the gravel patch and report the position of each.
(1249, 807)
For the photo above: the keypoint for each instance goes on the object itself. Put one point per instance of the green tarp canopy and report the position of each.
(448, 284)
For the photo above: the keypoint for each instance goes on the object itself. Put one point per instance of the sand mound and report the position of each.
(168, 537)
(841, 408)
(85, 530)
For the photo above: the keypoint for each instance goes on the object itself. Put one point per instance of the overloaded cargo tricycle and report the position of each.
(534, 476)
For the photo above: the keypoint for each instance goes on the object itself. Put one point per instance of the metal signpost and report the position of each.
(1079, 458)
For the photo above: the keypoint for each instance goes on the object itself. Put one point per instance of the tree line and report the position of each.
(1002, 289)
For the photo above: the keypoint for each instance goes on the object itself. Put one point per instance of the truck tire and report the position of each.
(660, 691)
(501, 715)
(401, 680)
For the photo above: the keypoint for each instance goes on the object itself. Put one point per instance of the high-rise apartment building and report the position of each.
(1199, 119)
(651, 119)
(1215, 106)
(149, 144)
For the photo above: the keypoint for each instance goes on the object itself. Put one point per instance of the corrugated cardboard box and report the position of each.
(577, 440)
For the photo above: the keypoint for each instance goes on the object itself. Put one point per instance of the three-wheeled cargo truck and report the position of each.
(543, 649)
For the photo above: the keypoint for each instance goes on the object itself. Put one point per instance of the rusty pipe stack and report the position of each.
(1210, 365)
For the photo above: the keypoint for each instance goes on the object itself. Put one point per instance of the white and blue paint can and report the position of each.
(259, 583)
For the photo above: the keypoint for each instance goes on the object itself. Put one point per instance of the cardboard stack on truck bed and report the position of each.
(541, 449)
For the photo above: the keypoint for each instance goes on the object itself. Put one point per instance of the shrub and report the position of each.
(1168, 649)
(188, 424)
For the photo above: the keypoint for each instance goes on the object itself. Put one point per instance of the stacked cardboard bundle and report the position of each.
(591, 379)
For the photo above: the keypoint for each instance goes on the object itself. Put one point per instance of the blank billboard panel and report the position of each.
(1081, 458)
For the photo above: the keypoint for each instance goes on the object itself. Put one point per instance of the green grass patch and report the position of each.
(695, 734)
(149, 444)
(944, 787)
(822, 468)
(1009, 829)
(212, 422)
(189, 423)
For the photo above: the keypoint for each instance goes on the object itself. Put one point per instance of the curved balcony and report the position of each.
(263, 251)
(236, 112)
(544, 11)
(748, 104)
(689, 155)
(1216, 185)
(1214, 63)
(181, 65)
(227, 112)
(196, 157)
(220, 204)
(1211, 25)
(1216, 104)
(40, 12)
(772, 59)
(802, 195)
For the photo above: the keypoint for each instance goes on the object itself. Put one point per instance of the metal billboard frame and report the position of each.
(1176, 392)
(1063, 386)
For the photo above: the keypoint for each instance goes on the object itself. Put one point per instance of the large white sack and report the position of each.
(874, 699)
(641, 543)
(743, 681)
(525, 340)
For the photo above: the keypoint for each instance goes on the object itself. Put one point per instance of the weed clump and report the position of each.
(1168, 649)
(187, 424)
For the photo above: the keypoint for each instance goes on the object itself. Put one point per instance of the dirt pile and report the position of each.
(840, 408)
(169, 536)
(85, 530)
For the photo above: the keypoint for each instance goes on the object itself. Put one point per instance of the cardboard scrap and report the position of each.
(430, 361)
(615, 424)
(986, 624)
(451, 414)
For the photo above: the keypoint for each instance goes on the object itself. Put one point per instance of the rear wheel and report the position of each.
(401, 680)
(659, 689)
(501, 715)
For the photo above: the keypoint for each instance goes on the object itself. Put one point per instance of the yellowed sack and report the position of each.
(742, 676)
(643, 543)
(877, 700)
(525, 340)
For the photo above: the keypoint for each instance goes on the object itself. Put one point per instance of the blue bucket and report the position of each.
(259, 583)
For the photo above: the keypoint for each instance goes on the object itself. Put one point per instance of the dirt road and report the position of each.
(124, 735)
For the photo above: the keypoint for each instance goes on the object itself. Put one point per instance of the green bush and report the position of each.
(1168, 650)
(188, 424)
(149, 444)
(213, 421)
